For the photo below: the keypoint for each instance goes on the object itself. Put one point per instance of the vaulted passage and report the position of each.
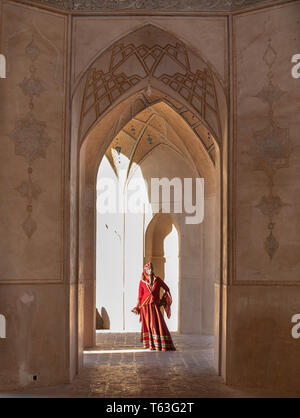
(147, 113)
(156, 144)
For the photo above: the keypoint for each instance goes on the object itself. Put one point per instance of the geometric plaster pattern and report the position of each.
(271, 151)
(139, 138)
(30, 138)
(103, 88)
(144, 101)
(149, 4)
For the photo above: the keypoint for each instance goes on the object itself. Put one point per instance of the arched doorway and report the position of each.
(162, 248)
(202, 124)
(150, 147)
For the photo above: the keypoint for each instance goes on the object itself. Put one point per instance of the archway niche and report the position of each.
(202, 126)
(198, 243)
(150, 147)
(162, 248)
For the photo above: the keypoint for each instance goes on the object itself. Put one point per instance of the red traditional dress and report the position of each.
(155, 334)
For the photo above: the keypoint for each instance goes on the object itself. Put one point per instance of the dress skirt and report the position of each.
(155, 334)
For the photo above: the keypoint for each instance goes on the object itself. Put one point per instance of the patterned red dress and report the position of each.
(155, 334)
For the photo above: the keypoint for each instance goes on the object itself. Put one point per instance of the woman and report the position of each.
(155, 334)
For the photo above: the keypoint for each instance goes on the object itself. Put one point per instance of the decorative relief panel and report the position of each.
(30, 138)
(130, 62)
(150, 4)
(271, 151)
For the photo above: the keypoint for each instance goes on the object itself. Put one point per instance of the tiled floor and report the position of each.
(118, 367)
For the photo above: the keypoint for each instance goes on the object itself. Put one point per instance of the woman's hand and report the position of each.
(161, 302)
(136, 310)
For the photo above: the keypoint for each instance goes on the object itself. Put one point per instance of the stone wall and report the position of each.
(266, 199)
(32, 141)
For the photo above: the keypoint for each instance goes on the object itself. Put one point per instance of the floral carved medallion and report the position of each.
(271, 152)
(30, 138)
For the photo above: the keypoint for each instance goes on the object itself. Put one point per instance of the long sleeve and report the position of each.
(141, 291)
(164, 286)
(166, 299)
(136, 309)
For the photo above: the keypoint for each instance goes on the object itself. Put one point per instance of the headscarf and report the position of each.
(145, 276)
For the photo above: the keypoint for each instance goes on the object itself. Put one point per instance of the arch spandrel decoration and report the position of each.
(150, 54)
(142, 102)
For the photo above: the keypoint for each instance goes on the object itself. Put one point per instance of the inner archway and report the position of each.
(147, 147)
(156, 143)
(162, 248)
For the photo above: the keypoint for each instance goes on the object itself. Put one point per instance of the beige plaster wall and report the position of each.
(38, 144)
(260, 347)
(255, 159)
(261, 350)
(32, 149)
(35, 336)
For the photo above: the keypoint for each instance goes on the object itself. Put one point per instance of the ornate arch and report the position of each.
(150, 56)
(114, 89)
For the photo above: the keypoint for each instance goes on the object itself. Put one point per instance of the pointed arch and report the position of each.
(162, 248)
(94, 125)
(150, 56)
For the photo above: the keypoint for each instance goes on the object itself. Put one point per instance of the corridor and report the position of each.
(118, 367)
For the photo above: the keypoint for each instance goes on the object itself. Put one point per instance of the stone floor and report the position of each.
(118, 367)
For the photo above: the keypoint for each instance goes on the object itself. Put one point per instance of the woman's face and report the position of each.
(149, 270)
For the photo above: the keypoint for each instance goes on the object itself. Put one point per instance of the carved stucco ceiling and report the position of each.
(78, 5)
(139, 138)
